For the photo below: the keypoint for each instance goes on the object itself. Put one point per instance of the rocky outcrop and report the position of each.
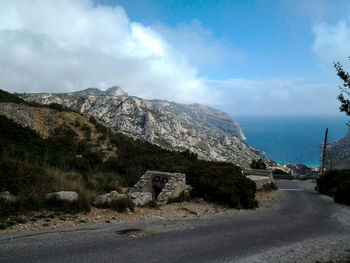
(298, 169)
(260, 181)
(140, 198)
(8, 197)
(210, 133)
(106, 199)
(338, 153)
(260, 177)
(162, 186)
(69, 196)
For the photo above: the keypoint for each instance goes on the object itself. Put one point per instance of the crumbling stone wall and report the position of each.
(162, 185)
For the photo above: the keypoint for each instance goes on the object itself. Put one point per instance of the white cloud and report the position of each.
(276, 96)
(332, 41)
(57, 46)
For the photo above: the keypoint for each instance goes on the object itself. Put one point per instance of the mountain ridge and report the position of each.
(210, 133)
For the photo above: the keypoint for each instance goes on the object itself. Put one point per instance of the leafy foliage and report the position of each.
(344, 96)
(258, 164)
(279, 171)
(335, 183)
(222, 183)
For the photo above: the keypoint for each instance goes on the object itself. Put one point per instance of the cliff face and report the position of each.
(210, 133)
(338, 153)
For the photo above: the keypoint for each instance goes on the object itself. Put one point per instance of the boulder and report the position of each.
(7, 196)
(140, 198)
(69, 196)
(107, 198)
(260, 181)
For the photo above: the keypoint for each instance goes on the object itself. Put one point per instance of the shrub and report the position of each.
(181, 198)
(120, 205)
(221, 183)
(152, 204)
(259, 164)
(335, 183)
(342, 195)
(82, 204)
(279, 171)
(331, 180)
(269, 187)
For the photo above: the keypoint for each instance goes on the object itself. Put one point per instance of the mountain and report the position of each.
(210, 133)
(338, 153)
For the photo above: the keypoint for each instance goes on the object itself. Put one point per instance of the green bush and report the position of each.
(279, 171)
(269, 187)
(259, 164)
(342, 195)
(331, 180)
(82, 204)
(335, 183)
(221, 183)
(120, 205)
(181, 198)
(152, 204)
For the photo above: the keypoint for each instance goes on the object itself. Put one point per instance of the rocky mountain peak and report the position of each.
(210, 133)
(115, 91)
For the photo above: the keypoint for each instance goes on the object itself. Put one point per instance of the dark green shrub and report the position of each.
(259, 164)
(331, 180)
(221, 183)
(181, 198)
(87, 130)
(152, 204)
(120, 205)
(335, 183)
(279, 171)
(82, 204)
(342, 195)
(269, 187)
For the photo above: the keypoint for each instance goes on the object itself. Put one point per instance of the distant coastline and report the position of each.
(291, 138)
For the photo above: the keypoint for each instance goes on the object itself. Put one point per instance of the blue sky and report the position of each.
(244, 57)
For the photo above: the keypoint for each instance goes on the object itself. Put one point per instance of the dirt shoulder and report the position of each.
(44, 220)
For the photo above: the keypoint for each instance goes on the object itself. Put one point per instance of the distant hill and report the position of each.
(338, 153)
(210, 133)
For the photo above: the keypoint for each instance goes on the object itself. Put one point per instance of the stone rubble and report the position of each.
(69, 196)
(105, 199)
(161, 185)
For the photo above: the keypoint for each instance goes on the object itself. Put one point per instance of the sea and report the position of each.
(292, 138)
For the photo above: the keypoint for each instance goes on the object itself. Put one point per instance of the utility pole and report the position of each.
(324, 152)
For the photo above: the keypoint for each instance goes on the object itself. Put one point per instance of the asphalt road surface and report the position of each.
(300, 214)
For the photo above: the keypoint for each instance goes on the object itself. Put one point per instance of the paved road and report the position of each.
(300, 214)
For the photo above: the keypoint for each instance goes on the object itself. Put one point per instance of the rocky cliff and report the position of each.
(338, 153)
(210, 133)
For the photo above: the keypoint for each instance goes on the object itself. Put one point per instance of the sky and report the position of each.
(243, 57)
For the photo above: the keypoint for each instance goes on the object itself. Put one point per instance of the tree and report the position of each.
(344, 96)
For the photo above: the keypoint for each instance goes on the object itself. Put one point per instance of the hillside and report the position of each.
(51, 148)
(210, 133)
(338, 153)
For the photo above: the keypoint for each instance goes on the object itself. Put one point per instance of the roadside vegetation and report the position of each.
(335, 183)
(32, 166)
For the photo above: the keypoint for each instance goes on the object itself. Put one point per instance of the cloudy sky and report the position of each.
(244, 57)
